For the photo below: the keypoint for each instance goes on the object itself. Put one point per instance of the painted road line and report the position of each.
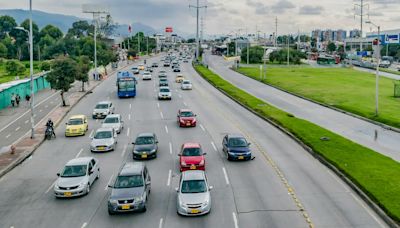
(108, 182)
(51, 186)
(226, 175)
(368, 210)
(46, 106)
(213, 145)
(166, 129)
(202, 127)
(161, 223)
(8, 136)
(130, 106)
(180, 96)
(169, 177)
(158, 104)
(26, 121)
(176, 90)
(51, 102)
(170, 148)
(84, 225)
(129, 116)
(123, 151)
(184, 103)
(40, 110)
(127, 132)
(91, 134)
(162, 116)
(16, 129)
(235, 221)
(79, 153)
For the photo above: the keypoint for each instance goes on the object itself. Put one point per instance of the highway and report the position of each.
(269, 191)
(360, 131)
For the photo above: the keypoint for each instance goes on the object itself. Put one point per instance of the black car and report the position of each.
(163, 83)
(145, 146)
(154, 65)
(177, 69)
(236, 147)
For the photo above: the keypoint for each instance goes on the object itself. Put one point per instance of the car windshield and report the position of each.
(163, 79)
(192, 152)
(74, 171)
(187, 114)
(75, 122)
(164, 90)
(134, 68)
(144, 140)
(129, 181)
(186, 82)
(111, 120)
(193, 186)
(101, 106)
(103, 135)
(237, 142)
(162, 72)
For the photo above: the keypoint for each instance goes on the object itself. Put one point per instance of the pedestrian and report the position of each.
(17, 99)
(94, 76)
(27, 98)
(12, 99)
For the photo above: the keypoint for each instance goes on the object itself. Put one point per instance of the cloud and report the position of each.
(282, 6)
(260, 8)
(311, 10)
(375, 13)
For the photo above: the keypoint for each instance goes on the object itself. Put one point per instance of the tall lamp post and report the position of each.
(377, 55)
(30, 67)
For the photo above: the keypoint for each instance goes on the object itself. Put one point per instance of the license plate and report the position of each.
(67, 194)
(187, 124)
(194, 211)
(98, 115)
(241, 157)
(100, 148)
(144, 155)
(192, 167)
(125, 207)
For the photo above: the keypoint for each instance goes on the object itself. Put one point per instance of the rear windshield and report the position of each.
(103, 135)
(101, 106)
(164, 90)
(75, 122)
(111, 120)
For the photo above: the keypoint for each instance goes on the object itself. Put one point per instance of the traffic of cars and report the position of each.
(131, 187)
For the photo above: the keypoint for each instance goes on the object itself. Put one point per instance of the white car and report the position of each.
(103, 109)
(105, 139)
(146, 75)
(186, 85)
(164, 93)
(77, 177)
(113, 121)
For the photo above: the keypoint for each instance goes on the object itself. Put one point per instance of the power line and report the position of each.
(197, 7)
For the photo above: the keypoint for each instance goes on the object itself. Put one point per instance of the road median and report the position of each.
(376, 178)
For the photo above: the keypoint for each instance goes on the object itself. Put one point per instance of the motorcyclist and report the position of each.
(50, 125)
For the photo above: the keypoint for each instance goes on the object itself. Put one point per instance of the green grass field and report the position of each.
(377, 175)
(5, 77)
(343, 88)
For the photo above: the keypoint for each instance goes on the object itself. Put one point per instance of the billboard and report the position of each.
(168, 29)
(392, 39)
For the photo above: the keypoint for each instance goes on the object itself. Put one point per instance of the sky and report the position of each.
(234, 16)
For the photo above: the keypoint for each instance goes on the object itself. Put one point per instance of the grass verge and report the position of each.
(377, 175)
(6, 77)
(342, 88)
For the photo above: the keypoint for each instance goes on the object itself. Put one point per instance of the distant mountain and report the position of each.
(123, 29)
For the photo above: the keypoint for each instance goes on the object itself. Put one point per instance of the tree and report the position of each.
(14, 67)
(51, 31)
(11, 48)
(45, 66)
(331, 47)
(231, 48)
(7, 23)
(255, 54)
(64, 71)
(83, 70)
(280, 56)
(107, 27)
(3, 51)
(80, 29)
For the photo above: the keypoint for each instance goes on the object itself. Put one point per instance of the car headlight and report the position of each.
(113, 201)
(153, 150)
(138, 199)
(105, 113)
(182, 121)
(183, 163)
(56, 187)
(94, 113)
(82, 184)
(135, 152)
(201, 163)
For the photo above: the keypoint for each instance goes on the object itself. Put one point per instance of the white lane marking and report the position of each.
(184, 103)
(8, 136)
(51, 186)
(91, 134)
(235, 221)
(166, 129)
(79, 153)
(40, 110)
(16, 129)
(34, 115)
(129, 116)
(213, 145)
(46, 106)
(123, 151)
(176, 90)
(158, 104)
(202, 127)
(162, 116)
(180, 96)
(161, 223)
(108, 182)
(367, 209)
(169, 177)
(226, 175)
(84, 225)
(51, 102)
(97, 120)
(170, 148)
(127, 132)
(130, 106)
(26, 121)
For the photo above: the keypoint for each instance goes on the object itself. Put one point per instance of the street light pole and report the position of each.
(377, 55)
(288, 50)
(31, 70)
(95, 48)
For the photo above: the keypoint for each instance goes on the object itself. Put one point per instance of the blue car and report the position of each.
(236, 147)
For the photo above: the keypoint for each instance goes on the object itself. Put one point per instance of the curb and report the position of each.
(384, 126)
(389, 221)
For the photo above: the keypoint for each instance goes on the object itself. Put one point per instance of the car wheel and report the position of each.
(110, 212)
(98, 174)
(87, 188)
(144, 207)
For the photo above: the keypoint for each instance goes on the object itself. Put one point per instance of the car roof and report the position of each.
(79, 161)
(164, 87)
(235, 135)
(191, 145)
(179, 75)
(104, 102)
(80, 116)
(104, 129)
(145, 134)
(113, 115)
(193, 175)
(131, 168)
(185, 80)
(185, 110)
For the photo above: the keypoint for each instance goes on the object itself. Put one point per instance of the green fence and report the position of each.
(22, 88)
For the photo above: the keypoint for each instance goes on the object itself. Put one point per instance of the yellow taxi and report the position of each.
(141, 67)
(76, 125)
(179, 78)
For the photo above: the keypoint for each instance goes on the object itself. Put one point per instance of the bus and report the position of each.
(126, 84)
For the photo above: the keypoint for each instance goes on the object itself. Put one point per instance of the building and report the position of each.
(355, 33)
(329, 35)
(387, 36)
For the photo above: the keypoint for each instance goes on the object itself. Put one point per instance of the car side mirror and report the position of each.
(133, 143)
(90, 172)
(204, 153)
(66, 123)
(177, 189)
(248, 144)
(177, 115)
(210, 188)
(195, 114)
(179, 155)
(110, 186)
(148, 183)
(58, 174)
(156, 141)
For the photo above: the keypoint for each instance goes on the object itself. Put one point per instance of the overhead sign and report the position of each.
(169, 29)
(392, 39)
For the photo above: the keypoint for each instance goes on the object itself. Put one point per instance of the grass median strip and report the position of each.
(343, 88)
(377, 175)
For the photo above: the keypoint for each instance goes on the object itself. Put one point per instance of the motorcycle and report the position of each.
(49, 133)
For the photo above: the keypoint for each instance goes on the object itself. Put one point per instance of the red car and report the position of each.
(192, 157)
(186, 118)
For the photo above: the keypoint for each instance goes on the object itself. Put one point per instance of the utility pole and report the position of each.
(31, 70)
(276, 32)
(197, 7)
(202, 29)
(361, 14)
(147, 44)
(138, 41)
(298, 40)
(288, 50)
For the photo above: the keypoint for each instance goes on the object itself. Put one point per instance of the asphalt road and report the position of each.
(266, 192)
(355, 129)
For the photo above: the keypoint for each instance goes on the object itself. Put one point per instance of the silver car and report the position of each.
(164, 93)
(77, 177)
(105, 139)
(113, 121)
(194, 196)
(102, 109)
(186, 85)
